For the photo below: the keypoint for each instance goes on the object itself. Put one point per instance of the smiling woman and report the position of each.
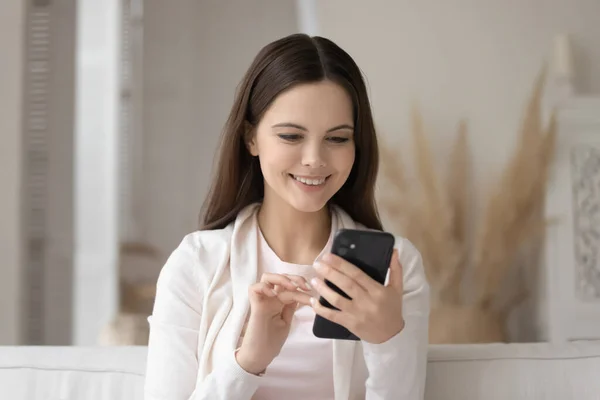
(305, 163)
(308, 93)
(234, 309)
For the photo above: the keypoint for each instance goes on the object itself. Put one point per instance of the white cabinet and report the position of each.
(571, 296)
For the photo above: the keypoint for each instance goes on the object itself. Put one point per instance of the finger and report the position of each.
(288, 312)
(288, 297)
(352, 271)
(299, 280)
(278, 279)
(396, 274)
(262, 288)
(342, 281)
(334, 298)
(339, 317)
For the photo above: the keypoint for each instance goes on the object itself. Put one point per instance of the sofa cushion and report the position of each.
(464, 372)
(72, 373)
(514, 371)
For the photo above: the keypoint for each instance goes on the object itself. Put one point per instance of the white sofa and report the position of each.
(468, 372)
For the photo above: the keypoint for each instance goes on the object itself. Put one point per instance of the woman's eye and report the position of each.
(338, 139)
(290, 137)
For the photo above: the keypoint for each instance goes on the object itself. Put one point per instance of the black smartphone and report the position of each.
(371, 251)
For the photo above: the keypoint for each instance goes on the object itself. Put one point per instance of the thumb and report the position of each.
(288, 312)
(396, 274)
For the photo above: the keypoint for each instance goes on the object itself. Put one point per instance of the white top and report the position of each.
(202, 303)
(304, 367)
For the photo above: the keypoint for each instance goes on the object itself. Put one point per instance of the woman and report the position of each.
(235, 301)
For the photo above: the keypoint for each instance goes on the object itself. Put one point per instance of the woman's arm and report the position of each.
(397, 367)
(172, 365)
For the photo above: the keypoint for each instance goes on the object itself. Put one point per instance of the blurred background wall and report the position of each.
(459, 58)
(12, 15)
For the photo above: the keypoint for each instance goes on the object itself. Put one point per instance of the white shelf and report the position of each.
(572, 250)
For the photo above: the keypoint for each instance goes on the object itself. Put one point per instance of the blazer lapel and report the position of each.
(343, 360)
(243, 264)
(343, 350)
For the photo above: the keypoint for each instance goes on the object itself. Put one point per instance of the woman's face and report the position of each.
(305, 145)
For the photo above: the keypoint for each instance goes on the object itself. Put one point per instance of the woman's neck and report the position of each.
(296, 237)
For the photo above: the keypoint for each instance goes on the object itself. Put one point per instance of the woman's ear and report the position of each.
(250, 138)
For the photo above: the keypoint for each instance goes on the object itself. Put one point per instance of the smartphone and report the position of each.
(371, 251)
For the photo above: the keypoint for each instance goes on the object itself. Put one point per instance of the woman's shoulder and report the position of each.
(413, 270)
(406, 249)
(202, 253)
(201, 241)
(197, 256)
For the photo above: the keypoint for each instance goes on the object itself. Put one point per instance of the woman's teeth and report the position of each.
(312, 182)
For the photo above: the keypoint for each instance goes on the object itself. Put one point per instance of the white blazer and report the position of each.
(202, 302)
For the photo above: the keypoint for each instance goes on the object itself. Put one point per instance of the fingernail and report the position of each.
(313, 301)
(275, 292)
(307, 285)
(318, 266)
(295, 284)
(314, 282)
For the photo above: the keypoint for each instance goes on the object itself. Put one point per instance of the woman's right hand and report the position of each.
(273, 302)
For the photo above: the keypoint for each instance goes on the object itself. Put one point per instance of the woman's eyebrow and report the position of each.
(302, 128)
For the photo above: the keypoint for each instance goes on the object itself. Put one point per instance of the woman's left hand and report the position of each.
(375, 312)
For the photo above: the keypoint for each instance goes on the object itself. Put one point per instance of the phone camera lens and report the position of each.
(343, 251)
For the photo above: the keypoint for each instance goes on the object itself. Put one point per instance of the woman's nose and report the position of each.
(312, 156)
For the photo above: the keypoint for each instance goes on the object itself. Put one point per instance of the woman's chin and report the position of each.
(308, 205)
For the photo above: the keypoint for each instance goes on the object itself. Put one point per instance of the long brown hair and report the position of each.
(280, 65)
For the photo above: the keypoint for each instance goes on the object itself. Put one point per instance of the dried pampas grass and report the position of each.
(440, 247)
(436, 218)
(513, 216)
(459, 198)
